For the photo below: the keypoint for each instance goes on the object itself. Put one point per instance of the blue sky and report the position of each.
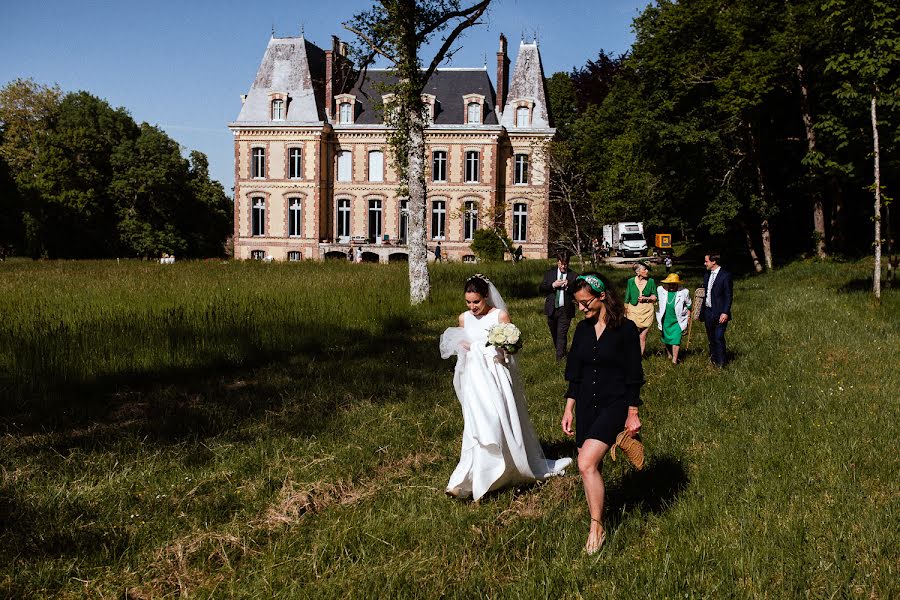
(183, 65)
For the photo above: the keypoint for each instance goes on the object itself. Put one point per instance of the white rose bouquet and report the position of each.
(506, 336)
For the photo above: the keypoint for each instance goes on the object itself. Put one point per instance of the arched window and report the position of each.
(522, 116)
(295, 223)
(343, 221)
(473, 113)
(520, 222)
(439, 165)
(404, 221)
(438, 219)
(258, 163)
(473, 168)
(376, 165)
(521, 170)
(345, 114)
(295, 169)
(258, 214)
(344, 165)
(277, 110)
(470, 220)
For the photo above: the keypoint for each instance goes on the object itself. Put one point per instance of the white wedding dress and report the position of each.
(499, 446)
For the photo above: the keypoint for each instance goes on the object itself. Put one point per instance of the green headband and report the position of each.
(594, 282)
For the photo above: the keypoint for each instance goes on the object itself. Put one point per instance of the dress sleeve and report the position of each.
(573, 364)
(634, 370)
(630, 290)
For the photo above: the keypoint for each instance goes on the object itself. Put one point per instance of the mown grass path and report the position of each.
(256, 430)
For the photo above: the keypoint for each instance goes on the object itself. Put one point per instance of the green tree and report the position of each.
(396, 30)
(490, 244)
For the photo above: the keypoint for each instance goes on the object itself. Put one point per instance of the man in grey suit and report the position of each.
(560, 304)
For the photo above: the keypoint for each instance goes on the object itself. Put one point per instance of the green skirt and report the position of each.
(671, 330)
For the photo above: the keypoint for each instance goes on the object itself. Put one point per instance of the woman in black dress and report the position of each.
(605, 377)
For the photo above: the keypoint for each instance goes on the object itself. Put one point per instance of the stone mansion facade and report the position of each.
(313, 178)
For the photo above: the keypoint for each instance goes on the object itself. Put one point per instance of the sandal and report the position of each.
(590, 548)
(632, 448)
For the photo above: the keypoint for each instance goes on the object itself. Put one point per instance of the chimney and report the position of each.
(502, 76)
(329, 76)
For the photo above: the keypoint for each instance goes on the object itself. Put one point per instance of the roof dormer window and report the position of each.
(474, 104)
(430, 103)
(278, 106)
(278, 110)
(524, 110)
(346, 104)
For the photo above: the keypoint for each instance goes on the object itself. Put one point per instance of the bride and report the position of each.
(499, 446)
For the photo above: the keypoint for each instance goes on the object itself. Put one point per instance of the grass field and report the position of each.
(253, 430)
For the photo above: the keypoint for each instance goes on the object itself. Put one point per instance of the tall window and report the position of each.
(294, 164)
(473, 113)
(343, 220)
(344, 165)
(403, 234)
(521, 168)
(345, 114)
(258, 163)
(438, 219)
(376, 165)
(277, 110)
(472, 166)
(439, 165)
(258, 212)
(294, 255)
(375, 219)
(520, 222)
(522, 116)
(295, 224)
(470, 220)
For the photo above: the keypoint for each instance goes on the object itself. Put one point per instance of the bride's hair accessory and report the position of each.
(593, 281)
(478, 276)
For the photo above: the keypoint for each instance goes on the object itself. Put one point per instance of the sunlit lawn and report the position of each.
(257, 430)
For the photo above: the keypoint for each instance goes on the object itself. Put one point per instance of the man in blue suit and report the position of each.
(716, 309)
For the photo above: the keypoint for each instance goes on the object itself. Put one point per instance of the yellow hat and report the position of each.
(672, 278)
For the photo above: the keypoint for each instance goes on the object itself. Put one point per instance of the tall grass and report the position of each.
(250, 430)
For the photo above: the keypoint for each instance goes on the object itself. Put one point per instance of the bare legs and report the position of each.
(644, 333)
(672, 352)
(590, 458)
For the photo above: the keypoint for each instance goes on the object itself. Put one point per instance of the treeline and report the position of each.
(80, 179)
(744, 124)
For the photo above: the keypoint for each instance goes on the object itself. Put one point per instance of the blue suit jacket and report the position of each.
(720, 295)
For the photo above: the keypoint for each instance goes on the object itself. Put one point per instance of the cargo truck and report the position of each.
(626, 238)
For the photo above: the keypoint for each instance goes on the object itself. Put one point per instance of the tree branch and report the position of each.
(475, 13)
(450, 16)
(371, 43)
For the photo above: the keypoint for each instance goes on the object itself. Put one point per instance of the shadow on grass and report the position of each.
(856, 285)
(297, 389)
(652, 490)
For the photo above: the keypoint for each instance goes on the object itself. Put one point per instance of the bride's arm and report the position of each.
(503, 317)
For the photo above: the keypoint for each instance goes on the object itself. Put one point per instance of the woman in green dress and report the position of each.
(639, 299)
(673, 314)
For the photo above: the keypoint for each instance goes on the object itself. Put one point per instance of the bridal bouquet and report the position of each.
(506, 336)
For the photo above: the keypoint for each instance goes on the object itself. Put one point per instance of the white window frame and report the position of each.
(345, 113)
(376, 222)
(403, 221)
(520, 169)
(438, 219)
(470, 220)
(473, 113)
(258, 163)
(376, 165)
(257, 254)
(295, 217)
(439, 166)
(295, 163)
(343, 220)
(344, 171)
(257, 216)
(523, 111)
(520, 222)
(473, 166)
(294, 256)
(278, 110)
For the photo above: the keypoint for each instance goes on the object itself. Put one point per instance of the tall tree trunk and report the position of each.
(835, 225)
(876, 278)
(419, 283)
(764, 196)
(818, 208)
(757, 266)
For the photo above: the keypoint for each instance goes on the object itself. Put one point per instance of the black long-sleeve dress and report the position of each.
(605, 376)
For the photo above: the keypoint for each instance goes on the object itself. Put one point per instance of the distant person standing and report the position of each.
(596, 251)
(716, 309)
(668, 262)
(437, 253)
(640, 294)
(673, 314)
(517, 255)
(358, 255)
(560, 304)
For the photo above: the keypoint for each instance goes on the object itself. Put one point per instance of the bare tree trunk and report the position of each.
(419, 283)
(818, 208)
(577, 233)
(766, 243)
(764, 195)
(751, 249)
(876, 278)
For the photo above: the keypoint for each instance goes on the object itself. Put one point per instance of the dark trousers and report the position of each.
(715, 334)
(558, 323)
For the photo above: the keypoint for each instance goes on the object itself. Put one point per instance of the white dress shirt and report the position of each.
(709, 286)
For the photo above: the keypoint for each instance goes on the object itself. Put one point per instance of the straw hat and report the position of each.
(672, 278)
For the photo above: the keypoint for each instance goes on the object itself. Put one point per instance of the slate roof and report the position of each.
(448, 86)
(292, 66)
(528, 82)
